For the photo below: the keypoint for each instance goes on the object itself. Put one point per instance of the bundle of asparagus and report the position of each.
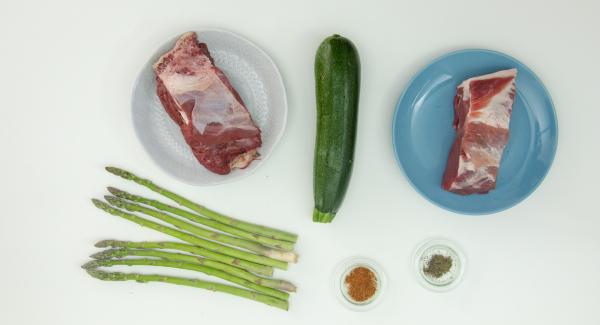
(239, 252)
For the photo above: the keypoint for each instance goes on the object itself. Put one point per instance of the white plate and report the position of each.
(252, 73)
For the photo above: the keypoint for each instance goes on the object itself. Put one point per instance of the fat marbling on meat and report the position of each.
(482, 111)
(210, 113)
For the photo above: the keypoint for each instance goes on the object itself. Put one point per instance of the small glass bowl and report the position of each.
(439, 246)
(340, 289)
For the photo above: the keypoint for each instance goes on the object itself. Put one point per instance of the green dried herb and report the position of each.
(438, 265)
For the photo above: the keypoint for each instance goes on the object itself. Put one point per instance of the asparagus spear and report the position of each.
(230, 260)
(203, 232)
(193, 267)
(254, 228)
(280, 244)
(143, 278)
(240, 273)
(191, 238)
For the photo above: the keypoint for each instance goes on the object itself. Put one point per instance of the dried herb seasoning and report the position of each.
(438, 265)
(361, 283)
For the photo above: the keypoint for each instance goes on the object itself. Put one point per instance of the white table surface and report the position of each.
(67, 73)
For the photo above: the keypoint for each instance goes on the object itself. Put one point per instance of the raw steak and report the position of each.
(200, 99)
(482, 109)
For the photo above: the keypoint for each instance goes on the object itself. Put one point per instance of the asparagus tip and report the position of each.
(99, 204)
(115, 201)
(102, 275)
(119, 172)
(106, 207)
(106, 254)
(95, 273)
(115, 191)
(90, 265)
(104, 243)
(112, 170)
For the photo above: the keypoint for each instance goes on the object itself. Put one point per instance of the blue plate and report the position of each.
(423, 133)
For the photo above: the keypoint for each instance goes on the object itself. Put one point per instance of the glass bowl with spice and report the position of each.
(359, 282)
(439, 264)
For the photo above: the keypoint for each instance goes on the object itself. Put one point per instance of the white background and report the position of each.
(67, 72)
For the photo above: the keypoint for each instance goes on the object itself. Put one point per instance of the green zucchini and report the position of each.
(337, 78)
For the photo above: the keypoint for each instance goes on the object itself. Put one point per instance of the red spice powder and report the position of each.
(361, 283)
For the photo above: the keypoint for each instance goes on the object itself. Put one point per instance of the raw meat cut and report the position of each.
(200, 99)
(482, 110)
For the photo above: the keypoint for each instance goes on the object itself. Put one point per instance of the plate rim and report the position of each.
(277, 138)
(397, 110)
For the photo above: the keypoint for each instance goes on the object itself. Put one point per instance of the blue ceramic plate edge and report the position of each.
(395, 118)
